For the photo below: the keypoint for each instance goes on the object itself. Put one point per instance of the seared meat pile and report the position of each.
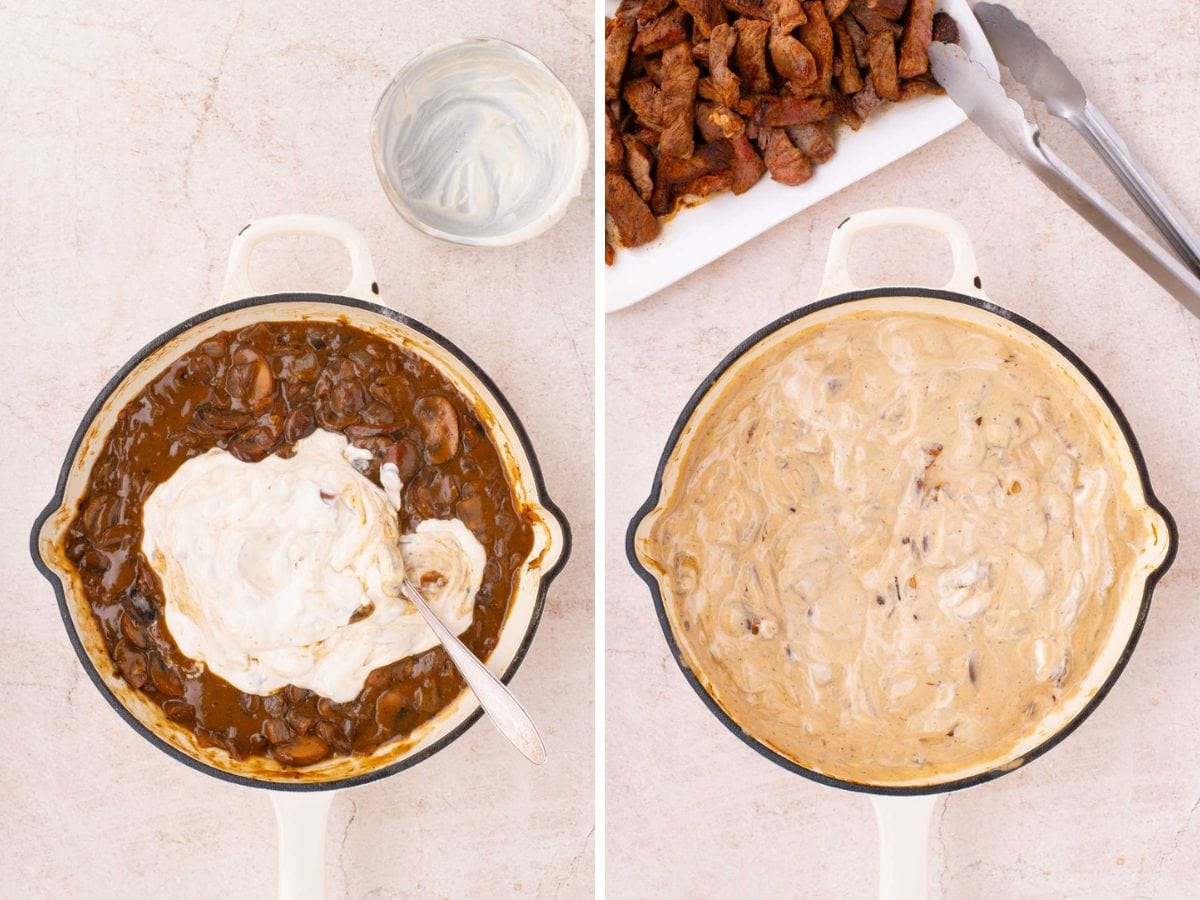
(707, 95)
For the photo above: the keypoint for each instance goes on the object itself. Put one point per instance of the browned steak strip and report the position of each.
(776, 112)
(645, 99)
(726, 85)
(708, 158)
(678, 102)
(751, 9)
(889, 9)
(817, 36)
(614, 150)
(786, 164)
(849, 77)
(651, 9)
(834, 8)
(788, 14)
(813, 140)
(752, 54)
(629, 221)
(792, 59)
(639, 163)
(917, 35)
(748, 166)
(865, 101)
(919, 87)
(707, 14)
(666, 31)
(703, 186)
(872, 21)
(617, 38)
(883, 65)
(945, 29)
(858, 37)
(716, 122)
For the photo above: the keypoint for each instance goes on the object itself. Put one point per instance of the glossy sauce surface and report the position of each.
(253, 393)
(897, 542)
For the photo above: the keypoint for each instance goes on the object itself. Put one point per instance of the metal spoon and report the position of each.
(501, 706)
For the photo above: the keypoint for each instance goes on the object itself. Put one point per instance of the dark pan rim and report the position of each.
(542, 499)
(775, 756)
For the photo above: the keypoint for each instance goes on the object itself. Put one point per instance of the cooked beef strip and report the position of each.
(813, 140)
(706, 14)
(866, 100)
(786, 164)
(773, 111)
(849, 78)
(834, 8)
(651, 10)
(639, 163)
(792, 59)
(752, 54)
(889, 9)
(858, 38)
(912, 88)
(630, 221)
(667, 30)
(701, 187)
(883, 66)
(707, 159)
(614, 150)
(678, 102)
(751, 9)
(872, 21)
(716, 122)
(645, 99)
(787, 14)
(726, 85)
(748, 166)
(817, 36)
(945, 29)
(917, 35)
(617, 39)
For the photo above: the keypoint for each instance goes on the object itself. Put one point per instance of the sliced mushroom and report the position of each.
(438, 421)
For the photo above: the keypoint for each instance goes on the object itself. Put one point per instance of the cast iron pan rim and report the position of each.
(774, 756)
(296, 297)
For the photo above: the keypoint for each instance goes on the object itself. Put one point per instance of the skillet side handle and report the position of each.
(238, 286)
(904, 845)
(302, 818)
(965, 279)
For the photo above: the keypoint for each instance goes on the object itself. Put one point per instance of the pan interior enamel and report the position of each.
(895, 546)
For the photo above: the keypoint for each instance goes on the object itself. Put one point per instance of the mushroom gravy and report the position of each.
(257, 392)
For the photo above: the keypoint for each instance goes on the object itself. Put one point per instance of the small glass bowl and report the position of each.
(477, 142)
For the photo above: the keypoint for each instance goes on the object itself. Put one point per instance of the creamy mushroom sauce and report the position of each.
(896, 542)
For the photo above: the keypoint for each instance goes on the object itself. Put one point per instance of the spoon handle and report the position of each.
(505, 712)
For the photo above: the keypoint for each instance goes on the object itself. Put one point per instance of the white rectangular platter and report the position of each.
(695, 237)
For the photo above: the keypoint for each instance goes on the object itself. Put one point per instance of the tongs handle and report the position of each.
(1104, 139)
(1169, 272)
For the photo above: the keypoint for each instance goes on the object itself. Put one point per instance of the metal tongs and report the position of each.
(1036, 66)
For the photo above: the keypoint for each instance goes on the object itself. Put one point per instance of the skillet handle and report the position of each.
(904, 845)
(238, 286)
(965, 279)
(301, 818)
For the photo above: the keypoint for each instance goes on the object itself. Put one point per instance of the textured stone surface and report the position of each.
(1115, 810)
(136, 138)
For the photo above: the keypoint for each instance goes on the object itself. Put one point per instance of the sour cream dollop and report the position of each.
(288, 571)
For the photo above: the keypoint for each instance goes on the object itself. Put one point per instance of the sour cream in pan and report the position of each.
(288, 571)
(894, 544)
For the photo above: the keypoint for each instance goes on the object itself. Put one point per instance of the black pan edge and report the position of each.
(774, 756)
(384, 771)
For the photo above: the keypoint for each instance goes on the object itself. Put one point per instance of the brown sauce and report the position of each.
(256, 392)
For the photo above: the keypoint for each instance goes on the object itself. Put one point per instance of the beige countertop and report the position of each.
(139, 137)
(1115, 810)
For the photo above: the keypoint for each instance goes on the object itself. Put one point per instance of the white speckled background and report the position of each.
(136, 138)
(1115, 810)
